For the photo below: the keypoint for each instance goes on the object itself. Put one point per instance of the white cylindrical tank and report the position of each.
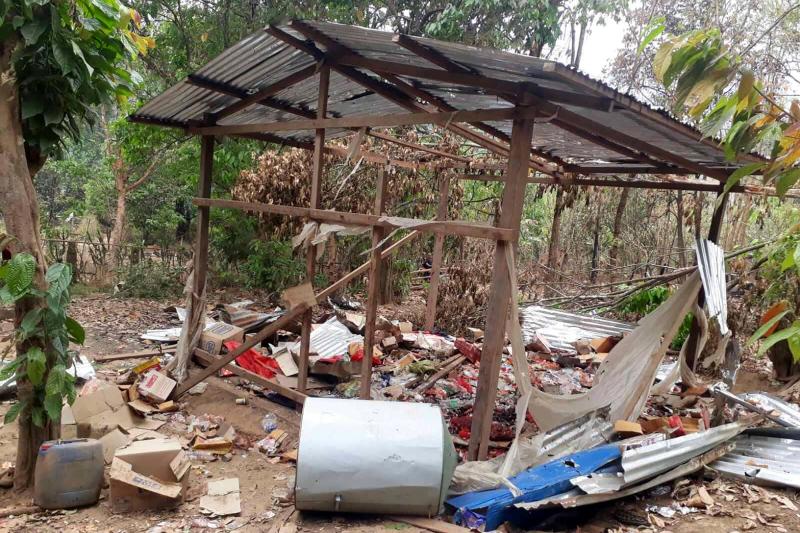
(373, 457)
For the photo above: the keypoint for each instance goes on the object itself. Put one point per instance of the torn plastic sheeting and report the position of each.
(625, 377)
(561, 328)
(251, 360)
(576, 497)
(536, 483)
(81, 368)
(769, 461)
(329, 339)
(648, 461)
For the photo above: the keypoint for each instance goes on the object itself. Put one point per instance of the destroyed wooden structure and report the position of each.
(309, 82)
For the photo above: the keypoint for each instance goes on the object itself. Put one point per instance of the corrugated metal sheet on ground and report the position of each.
(784, 410)
(561, 328)
(329, 339)
(761, 460)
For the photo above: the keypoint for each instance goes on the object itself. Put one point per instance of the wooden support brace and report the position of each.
(267, 331)
(373, 289)
(500, 291)
(438, 251)
(316, 187)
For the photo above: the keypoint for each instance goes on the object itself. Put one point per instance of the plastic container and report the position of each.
(69, 473)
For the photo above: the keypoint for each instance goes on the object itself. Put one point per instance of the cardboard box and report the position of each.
(103, 410)
(156, 386)
(149, 474)
(212, 338)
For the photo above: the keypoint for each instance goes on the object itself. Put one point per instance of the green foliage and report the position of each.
(271, 265)
(150, 279)
(71, 56)
(46, 333)
(710, 84)
(646, 301)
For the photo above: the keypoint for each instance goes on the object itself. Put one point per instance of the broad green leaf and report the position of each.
(36, 366)
(38, 416)
(794, 346)
(11, 368)
(13, 412)
(79, 53)
(76, 332)
(737, 176)
(765, 327)
(20, 272)
(788, 262)
(29, 323)
(786, 180)
(662, 59)
(745, 85)
(657, 27)
(52, 405)
(32, 105)
(779, 336)
(33, 30)
(56, 380)
(58, 277)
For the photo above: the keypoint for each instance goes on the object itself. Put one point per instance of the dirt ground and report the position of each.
(114, 326)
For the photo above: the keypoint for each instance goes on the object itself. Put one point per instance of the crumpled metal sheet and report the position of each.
(770, 461)
(711, 264)
(785, 411)
(648, 461)
(561, 328)
(329, 339)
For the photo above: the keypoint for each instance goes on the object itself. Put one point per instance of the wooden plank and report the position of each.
(372, 121)
(438, 250)
(439, 374)
(497, 308)
(204, 191)
(271, 89)
(347, 278)
(267, 331)
(131, 355)
(373, 288)
(389, 138)
(316, 179)
(448, 227)
(207, 359)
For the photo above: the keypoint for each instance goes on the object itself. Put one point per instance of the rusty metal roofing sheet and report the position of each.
(260, 60)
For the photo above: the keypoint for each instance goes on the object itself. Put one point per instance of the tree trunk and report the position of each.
(117, 236)
(698, 214)
(679, 237)
(555, 231)
(21, 215)
(613, 253)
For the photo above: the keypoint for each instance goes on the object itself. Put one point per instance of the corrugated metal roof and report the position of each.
(711, 264)
(561, 328)
(763, 460)
(260, 60)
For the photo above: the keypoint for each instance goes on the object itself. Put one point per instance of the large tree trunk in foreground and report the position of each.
(21, 215)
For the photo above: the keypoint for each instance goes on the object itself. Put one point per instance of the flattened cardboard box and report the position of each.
(103, 411)
(149, 474)
(156, 386)
(212, 338)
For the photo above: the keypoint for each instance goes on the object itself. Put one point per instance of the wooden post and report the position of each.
(316, 178)
(500, 292)
(374, 288)
(438, 249)
(203, 213)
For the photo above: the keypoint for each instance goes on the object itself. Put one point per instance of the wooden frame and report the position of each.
(527, 103)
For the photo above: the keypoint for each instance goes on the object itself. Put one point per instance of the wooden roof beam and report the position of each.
(415, 146)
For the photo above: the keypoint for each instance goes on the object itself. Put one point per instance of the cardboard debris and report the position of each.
(286, 363)
(156, 386)
(299, 294)
(148, 474)
(627, 429)
(198, 389)
(141, 368)
(603, 344)
(475, 334)
(167, 407)
(142, 407)
(104, 410)
(214, 337)
(222, 498)
(405, 326)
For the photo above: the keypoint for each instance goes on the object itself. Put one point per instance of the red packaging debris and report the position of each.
(255, 362)
(468, 350)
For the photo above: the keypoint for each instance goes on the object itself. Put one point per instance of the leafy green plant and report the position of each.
(46, 333)
(271, 265)
(646, 301)
(150, 279)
